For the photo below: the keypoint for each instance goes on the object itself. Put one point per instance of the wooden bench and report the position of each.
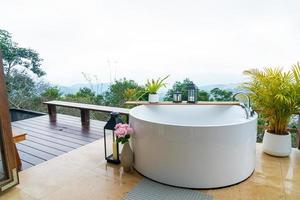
(18, 137)
(84, 110)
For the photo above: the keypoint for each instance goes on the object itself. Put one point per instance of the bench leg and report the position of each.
(85, 118)
(52, 113)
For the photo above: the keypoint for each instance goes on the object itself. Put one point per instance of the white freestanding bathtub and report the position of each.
(194, 146)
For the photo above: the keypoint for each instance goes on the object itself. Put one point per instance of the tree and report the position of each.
(85, 92)
(218, 94)
(203, 95)
(19, 65)
(51, 93)
(85, 95)
(182, 86)
(20, 89)
(24, 92)
(15, 56)
(121, 91)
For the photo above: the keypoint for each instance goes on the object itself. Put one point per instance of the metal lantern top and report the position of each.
(177, 92)
(113, 121)
(191, 87)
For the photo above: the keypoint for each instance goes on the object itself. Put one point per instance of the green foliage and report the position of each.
(19, 65)
(21, 89)
(85, 95)
(296, 73)
(121, 91)
(182, 86)
(134, 94)
(52, 93)
(203, 95)
(218, 94)
(24, 92)
(15, 56)
(154, 85)
(276, 93)
(123, 140)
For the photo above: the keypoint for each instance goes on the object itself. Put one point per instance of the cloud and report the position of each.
(153, 38)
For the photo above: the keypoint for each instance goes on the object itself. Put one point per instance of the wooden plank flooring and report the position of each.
(47, 140)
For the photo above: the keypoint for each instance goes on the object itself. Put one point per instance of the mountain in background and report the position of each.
(97, 88)
(233, 87)
(102, 87)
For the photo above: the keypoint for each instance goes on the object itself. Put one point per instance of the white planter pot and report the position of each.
(277, 145)
(153, 98)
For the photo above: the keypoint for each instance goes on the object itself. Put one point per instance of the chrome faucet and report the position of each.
(248, 109)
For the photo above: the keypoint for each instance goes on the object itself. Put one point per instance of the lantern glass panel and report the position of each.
(177, 97)
(111, 147)
(192, 94)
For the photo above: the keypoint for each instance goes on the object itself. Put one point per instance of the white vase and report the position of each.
(126, 157)
(277, 145)
(153, 98)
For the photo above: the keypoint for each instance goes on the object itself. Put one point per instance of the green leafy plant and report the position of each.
(152, 86)
(276, 94)
(296, 73)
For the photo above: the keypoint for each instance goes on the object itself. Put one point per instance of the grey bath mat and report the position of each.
(150, 190)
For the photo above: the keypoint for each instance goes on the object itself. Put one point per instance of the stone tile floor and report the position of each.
(84, 174)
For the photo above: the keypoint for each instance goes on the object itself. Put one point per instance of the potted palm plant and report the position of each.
(276, 94)
(152, 88)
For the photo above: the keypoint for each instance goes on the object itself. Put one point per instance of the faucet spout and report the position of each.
(248, 109)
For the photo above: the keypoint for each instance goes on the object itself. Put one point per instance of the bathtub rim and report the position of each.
(252, 118)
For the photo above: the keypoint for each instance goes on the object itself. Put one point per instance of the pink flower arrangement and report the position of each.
(123, 132)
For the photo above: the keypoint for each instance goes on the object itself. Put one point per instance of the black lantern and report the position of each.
(109, 131)
(177, 97)
(192, 93)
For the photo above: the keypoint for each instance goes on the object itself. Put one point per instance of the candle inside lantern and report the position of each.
(115, 152)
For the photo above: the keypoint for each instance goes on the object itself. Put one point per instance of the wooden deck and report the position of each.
(46, 140)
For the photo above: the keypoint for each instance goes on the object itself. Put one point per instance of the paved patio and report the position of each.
(84, 174)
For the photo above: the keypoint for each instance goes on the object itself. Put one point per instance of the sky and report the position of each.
(211, 42)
